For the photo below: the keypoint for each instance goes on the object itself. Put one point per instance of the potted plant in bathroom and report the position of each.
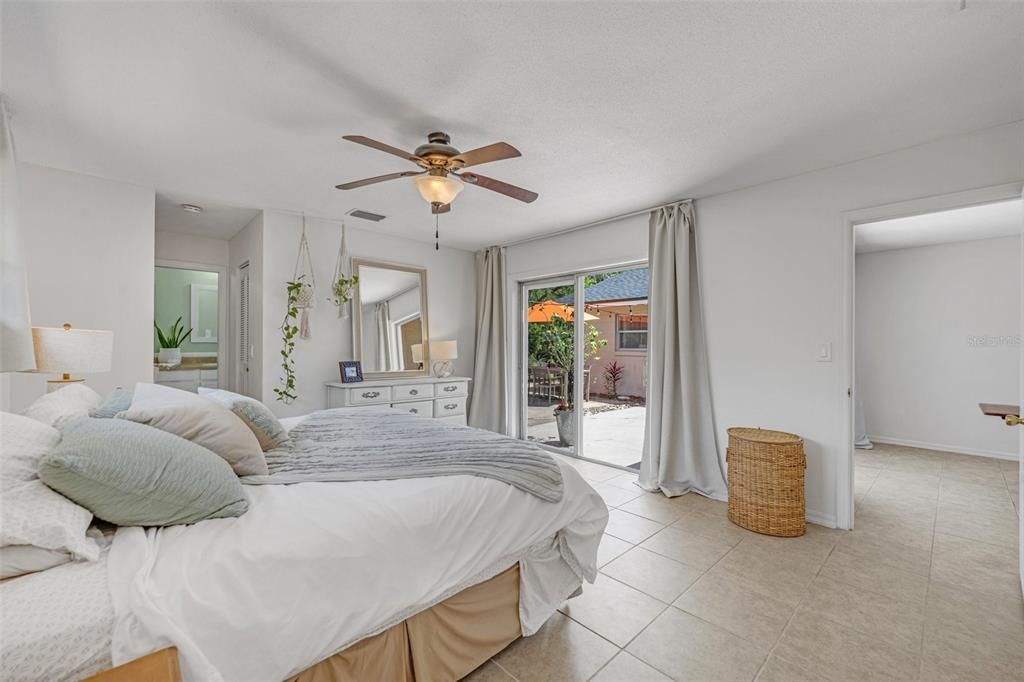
(170, 343)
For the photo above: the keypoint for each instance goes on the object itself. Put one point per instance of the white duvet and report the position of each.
(314, 567)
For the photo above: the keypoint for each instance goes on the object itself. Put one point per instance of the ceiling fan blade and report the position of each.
(380, 178)
(360, 139)
(492, 152)
(443, 208)
(499, 187)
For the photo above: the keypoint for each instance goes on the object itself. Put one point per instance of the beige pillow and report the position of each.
(203, 421)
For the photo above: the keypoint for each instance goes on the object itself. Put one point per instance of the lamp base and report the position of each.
(55, 384)
(442, 369)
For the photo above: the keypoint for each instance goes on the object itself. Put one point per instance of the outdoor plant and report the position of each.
(613, 374)
(289, 330)
(342, 289)
(552, 344)
(174, 337)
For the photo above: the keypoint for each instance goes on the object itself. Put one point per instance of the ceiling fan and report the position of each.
(441, 179)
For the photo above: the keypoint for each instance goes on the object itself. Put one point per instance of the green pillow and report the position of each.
(136, 475)
(257, 416)
(119, 400)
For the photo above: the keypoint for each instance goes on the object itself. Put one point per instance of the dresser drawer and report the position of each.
(451, 389)
(448, 407)
(368, 396)
(421, 408)
(457, 420)
(410, 392)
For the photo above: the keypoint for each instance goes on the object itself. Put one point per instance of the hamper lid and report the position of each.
(764, 436)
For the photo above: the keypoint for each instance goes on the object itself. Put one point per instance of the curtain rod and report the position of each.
(594, 223)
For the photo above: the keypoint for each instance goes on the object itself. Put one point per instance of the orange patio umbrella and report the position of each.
(546, 310)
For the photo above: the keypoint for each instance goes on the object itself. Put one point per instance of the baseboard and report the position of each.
(1012, 456)
(827, 520)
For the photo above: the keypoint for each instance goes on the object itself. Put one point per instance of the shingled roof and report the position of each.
(630, 285)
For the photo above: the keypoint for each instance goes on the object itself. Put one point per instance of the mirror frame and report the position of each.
(357, 319)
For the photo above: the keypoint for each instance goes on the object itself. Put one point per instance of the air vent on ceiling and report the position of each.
(366, 215)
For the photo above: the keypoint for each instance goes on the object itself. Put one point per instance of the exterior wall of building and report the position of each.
(634, 362)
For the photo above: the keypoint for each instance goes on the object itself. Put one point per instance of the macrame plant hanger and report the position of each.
(307, 293)
(339, 273)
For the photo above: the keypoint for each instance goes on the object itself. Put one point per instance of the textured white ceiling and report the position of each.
(615, 106)
(218, 220)
(987, 221)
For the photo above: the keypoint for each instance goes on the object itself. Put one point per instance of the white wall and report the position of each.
(921, 370)
(89, 247)
(246, 246)
(771, 258)
(190, 248)
(450, 291)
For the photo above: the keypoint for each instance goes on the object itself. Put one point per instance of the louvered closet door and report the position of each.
(244, 348)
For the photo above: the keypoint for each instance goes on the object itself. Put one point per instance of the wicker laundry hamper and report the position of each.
(766, 481)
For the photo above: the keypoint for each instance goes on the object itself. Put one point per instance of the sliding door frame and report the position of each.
(577, 279)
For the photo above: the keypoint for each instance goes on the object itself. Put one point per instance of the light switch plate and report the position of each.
(824, 352)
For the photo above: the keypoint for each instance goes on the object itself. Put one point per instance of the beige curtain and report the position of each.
(680, 444)
(15, 328)
(385, 349)
(488, 408)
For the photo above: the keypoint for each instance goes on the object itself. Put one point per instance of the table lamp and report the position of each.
(64, 351)
(442, 353)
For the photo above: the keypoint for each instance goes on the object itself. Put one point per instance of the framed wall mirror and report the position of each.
(389, 318)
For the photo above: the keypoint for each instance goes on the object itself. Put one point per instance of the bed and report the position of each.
(396, 579)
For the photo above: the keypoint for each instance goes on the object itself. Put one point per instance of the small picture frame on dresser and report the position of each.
(351, 371)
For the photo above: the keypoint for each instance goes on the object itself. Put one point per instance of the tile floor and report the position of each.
(926, 588)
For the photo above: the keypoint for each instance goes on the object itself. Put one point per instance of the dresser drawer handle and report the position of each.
(449, 389)
(371, 394)
(451, 406)
(414, 411)
(413, 391)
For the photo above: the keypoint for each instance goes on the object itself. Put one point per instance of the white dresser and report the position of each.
(424, 396)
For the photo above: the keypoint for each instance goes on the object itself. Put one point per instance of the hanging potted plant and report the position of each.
(342, 289)
(170, 343)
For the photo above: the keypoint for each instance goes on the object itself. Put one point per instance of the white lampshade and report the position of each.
(417, 352)
(66, 350)
(438, 189)
(444, 350)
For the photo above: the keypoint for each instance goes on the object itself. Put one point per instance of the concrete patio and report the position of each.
(612, 433)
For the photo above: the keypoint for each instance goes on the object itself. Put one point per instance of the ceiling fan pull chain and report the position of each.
(437, 233)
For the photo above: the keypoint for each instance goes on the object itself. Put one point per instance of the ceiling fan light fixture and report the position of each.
(438, 189)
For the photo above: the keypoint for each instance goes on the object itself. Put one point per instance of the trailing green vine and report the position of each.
(289, 330)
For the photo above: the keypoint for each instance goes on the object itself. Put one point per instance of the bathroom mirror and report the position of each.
(389, 317)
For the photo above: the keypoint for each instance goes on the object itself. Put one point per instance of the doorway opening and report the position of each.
(188, 319)
(935, 319)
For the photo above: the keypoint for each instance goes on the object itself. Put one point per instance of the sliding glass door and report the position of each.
(584, 376)
(549, 368)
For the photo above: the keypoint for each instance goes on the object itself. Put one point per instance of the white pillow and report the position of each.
(23, 442)
(201, 420)
(18, 560)
(35, 515)
(73, 400)
(31, 513)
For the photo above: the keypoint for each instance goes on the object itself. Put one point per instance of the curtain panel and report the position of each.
(16, 351)
(488, 407)
(680, 452)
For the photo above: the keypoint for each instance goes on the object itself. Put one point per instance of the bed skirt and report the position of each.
(441, 644)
